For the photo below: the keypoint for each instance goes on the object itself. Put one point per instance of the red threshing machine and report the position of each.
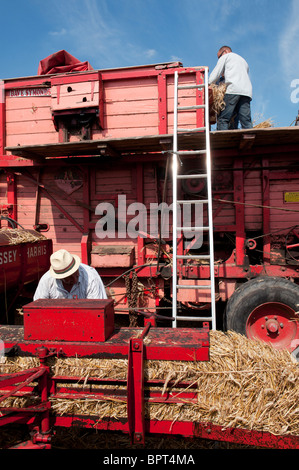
(76, 142)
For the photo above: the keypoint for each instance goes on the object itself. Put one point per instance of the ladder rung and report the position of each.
(196, 201)
(194, 229)
(187, 108)
(195, 176)
(185, 286)
(188, 87)
(196, 129)
(194, 318)
(193, 256)
(191, 152)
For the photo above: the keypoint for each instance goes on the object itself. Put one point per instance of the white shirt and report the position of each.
(89, 286)
(236, 74)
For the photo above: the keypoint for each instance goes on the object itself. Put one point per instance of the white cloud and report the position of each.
(150, 53)
(92, 31)
(175, 58)
(62, 32)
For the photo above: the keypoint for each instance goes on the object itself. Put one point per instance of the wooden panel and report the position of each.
(37, 126)
(32, 113)
(253, 200)
(283, 219)
(75, 95)
(31, 139)
(112, 256)
(28, 121)
(31, 102)
(63, 233)
(124, 133)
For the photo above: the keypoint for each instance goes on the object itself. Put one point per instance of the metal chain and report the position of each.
(132, 296)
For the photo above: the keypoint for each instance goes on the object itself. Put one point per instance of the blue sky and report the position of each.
(119, 33)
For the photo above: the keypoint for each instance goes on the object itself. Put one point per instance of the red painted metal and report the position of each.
(188, 430)
(273, 322)
(135, 384)
(194, 344)
(69, 320)
(136, 394)
(12, 195)
(2, 118)
(30, 414)
(162, 102)
(187, 344)
(23, 263)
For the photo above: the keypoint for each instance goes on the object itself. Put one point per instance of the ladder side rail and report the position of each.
(174, 201)
(210, 210)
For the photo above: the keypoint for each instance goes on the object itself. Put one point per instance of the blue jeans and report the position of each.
(237, 107)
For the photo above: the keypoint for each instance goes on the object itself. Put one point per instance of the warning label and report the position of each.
(291, 196)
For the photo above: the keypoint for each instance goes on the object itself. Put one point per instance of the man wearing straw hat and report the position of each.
(238, 93)
(68, 278)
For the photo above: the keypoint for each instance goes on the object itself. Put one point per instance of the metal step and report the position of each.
(191, 152)
(188, 108)
(194, 318)
(192, 177)
(193, 256)
(189, 87)
(192, 228)
(186, 286)
(195, 129)
(193, 201)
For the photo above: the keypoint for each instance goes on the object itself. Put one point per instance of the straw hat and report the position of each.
(63, 264)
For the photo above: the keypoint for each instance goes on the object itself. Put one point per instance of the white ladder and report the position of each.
(177, 155)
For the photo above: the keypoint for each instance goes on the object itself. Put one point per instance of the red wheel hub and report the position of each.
(274, 323)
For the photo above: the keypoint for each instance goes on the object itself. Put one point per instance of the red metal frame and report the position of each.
(186, 344)
(132, 391)
(31, 415)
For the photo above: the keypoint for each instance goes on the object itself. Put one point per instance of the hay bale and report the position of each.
(83, 367)
(246, 384)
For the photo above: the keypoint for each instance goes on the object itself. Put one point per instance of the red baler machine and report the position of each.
(47, 334)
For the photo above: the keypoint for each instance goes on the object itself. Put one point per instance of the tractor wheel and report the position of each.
(265, 309)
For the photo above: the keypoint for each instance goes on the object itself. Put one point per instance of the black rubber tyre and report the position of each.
(256, 293)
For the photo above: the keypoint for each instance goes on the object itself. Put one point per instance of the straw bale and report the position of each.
(245, 384)
(10, 365)
(110, 407)
(85, 367)
(19, 402)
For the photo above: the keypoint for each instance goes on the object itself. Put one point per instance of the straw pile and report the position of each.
(246, 384)
(218, 92)
(16, 236)
(264, 124)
